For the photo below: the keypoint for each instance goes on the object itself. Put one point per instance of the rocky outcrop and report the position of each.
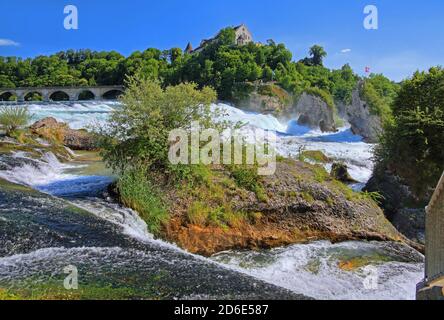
(401, 206)
(362, 121)
(263, 104)
(313, 112)
(52, 130)
(265, 98)
(339, 171)
(301, 204)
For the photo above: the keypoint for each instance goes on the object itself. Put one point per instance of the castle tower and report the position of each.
(189, 48)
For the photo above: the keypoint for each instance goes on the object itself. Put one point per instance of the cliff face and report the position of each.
(314, 112)
(266, 98)
(309, 110)
(362, 121)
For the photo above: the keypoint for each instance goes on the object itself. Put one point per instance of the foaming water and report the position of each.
(77, 114)
(36, 172)
(311, 269)
(266, 122)
(341, 146)
(314, 269)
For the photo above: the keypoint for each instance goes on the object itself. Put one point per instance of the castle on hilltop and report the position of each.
(243, 37)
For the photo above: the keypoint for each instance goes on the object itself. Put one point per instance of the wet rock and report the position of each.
(339, 171)
(52, 130)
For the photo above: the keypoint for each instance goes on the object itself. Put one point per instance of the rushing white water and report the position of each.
(78, 115)
(313, 269)
(310, 269)
(341, 146)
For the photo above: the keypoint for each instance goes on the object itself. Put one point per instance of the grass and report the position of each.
(320, 174)
(12, 118)
(272, 90)
(314, 155)
(247, 177)
(138, 193)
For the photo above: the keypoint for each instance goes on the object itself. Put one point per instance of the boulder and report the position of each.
(339, 171)
(52, 130)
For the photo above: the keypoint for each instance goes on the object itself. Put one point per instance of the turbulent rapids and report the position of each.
(44, 231)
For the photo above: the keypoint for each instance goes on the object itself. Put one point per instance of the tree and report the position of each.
(137, 134)
(317, 54)
(411, 145)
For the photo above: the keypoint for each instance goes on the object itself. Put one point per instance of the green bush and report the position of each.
(377, 104)
(136, 191)
(412, 144)
(137, 133)
(12, 118)
(247, 177)
(324, 95)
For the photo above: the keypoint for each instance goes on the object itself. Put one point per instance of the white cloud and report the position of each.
(346, 50)
(8, 43)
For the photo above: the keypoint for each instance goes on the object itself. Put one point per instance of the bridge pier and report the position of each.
(45, 95)
(20, 94)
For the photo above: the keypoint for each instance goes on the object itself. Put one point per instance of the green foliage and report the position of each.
(412, 144)
(12, 118)
(247, 177)
(137, 134)
(136, 191)
(314, 155)
(378, 104)
(375, 196)
(324, 95)
(317, 54)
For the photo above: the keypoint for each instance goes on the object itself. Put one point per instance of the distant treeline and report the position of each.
(221, 65)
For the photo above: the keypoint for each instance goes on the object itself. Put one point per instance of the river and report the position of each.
(314, 270)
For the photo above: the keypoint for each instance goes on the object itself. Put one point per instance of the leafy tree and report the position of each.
(412, 143)
(317, 54)
(137, 134)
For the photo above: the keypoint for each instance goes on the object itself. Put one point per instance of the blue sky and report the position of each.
(410, 34)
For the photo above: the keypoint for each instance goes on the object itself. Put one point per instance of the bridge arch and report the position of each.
(33, 96)
(8, 96)
(85, 95)
(59, 95)
(112, 94)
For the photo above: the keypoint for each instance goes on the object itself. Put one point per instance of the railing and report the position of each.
(435, 234)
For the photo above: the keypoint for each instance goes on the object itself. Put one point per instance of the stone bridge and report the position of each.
(432, 288)
(47, 94)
